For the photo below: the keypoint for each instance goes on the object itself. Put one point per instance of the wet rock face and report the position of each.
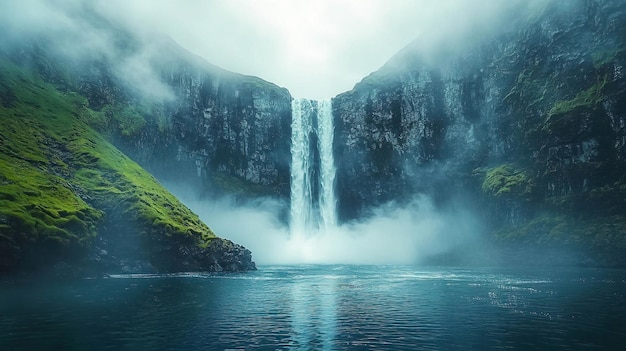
(233, 125)
(120, 249)
(220, 255)
(222, 130)
(543, 95)
(397, 135)
(224, 255)
(415, 130)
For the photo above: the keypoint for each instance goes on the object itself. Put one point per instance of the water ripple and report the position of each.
(320, 308)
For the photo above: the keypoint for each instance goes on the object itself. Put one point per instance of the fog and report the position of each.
(412, 233)
(316, 49)
(76, 32)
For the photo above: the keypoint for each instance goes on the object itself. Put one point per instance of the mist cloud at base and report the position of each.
(391, 234)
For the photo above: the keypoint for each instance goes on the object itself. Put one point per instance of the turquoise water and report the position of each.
(321, 308)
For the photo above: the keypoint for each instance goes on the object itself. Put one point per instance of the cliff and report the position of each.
(181, 118)
(223, 132)
(526, 127)
(529, 125)
(72, 203)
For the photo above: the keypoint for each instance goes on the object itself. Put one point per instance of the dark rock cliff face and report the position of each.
(217, 130)
(223, 130)
(239, 126)
(530, 125)
(547, 96)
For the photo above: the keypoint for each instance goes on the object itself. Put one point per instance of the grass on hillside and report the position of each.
(59, 177)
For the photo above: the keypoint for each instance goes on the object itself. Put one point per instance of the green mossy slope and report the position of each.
(59, 179)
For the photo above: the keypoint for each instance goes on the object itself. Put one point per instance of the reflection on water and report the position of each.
(328, 314)
(314, 316)
(300, 315)
(320, 308)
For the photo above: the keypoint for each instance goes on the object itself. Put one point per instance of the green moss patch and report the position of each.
(40, 206)
(603, 239)
(603, 58)
(587, 98)
(507, 180)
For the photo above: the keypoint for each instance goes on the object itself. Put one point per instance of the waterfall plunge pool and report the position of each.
(321, 307)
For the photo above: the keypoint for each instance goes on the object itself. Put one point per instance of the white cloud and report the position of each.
(316, 49)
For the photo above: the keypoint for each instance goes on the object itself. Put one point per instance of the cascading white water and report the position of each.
(325, 133)
(312, 120)
(301, 199)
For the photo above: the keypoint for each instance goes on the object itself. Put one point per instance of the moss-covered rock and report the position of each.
(589, 98)
(507, 180)
(587, 240)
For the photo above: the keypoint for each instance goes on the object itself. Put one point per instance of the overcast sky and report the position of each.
(315, 48)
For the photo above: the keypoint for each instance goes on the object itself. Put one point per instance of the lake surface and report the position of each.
(321, 308)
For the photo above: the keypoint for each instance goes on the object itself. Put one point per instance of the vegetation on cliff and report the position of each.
(569, 138)
(60, 179)
(508, 180)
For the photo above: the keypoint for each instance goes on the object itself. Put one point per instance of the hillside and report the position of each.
(70, 198)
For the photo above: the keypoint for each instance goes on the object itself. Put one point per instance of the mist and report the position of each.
(411, 233)
(76, 33)
(316, 49)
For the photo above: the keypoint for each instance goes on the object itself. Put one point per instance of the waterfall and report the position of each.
(313, 204)
(326, 133)
(301, 199)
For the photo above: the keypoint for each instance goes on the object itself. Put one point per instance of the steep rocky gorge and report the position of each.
(526, 127)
